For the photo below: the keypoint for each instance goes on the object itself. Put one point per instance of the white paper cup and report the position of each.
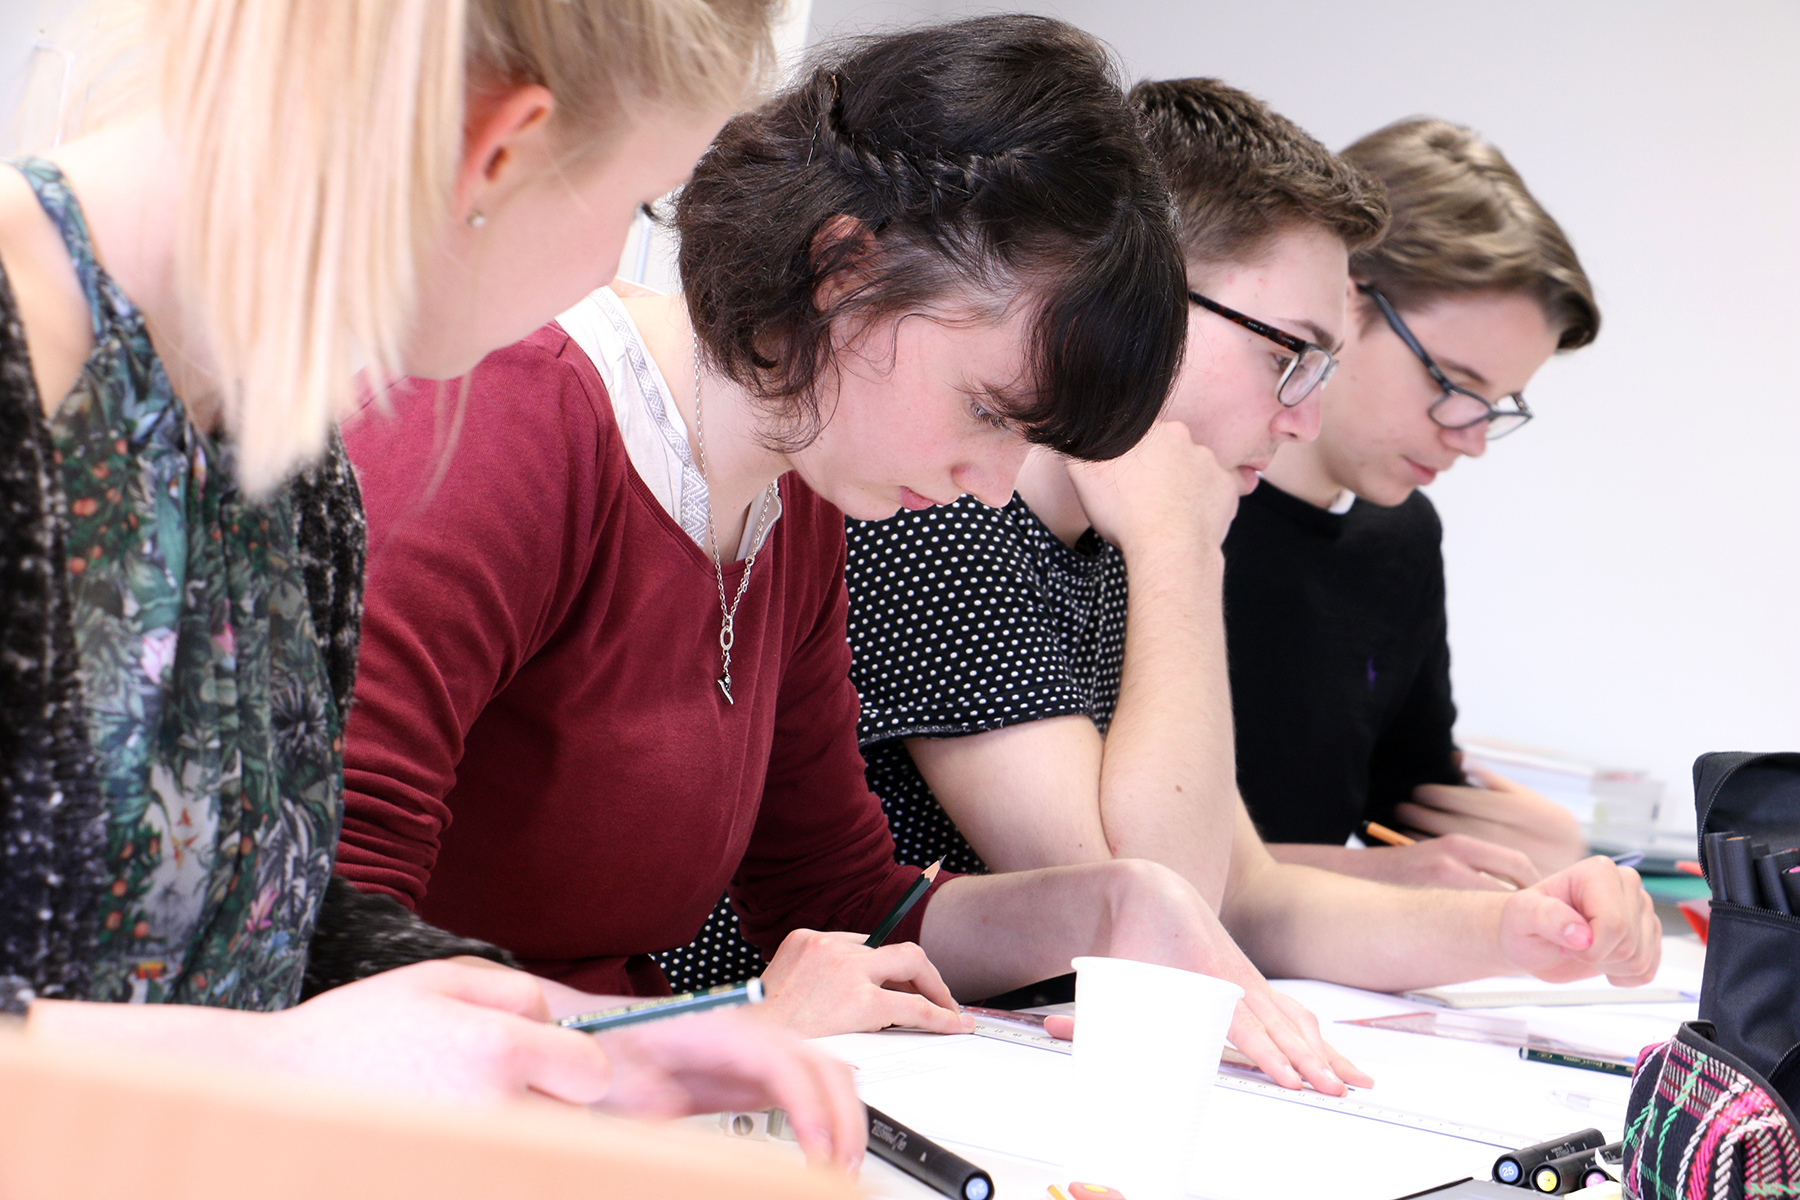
(1147, 1044)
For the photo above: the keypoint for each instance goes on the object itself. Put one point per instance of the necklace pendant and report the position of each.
(724, 682)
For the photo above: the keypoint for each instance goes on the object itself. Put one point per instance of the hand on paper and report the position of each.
(1269, 1026)
(1502, 813)
(1278, 1033)
(1593, 918)
(825, 983)
(720, 1061)
(1166, 487)
(1327, 1070)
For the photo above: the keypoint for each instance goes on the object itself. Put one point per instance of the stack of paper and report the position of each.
(1615, 805)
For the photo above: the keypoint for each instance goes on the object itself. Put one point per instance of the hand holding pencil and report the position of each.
(823, 983)
(1453, 860)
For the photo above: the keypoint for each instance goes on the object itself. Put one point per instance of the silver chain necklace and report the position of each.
(727, 612)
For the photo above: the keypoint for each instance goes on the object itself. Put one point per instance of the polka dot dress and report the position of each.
(719, 955)
(965, 618)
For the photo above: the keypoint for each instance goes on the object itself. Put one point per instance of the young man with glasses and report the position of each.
(1024, 708)
(1335, 581)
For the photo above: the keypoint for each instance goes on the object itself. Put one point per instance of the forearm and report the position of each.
(1341, 859)
(182, 1029)
(1298, 921)
(1168, 786)
(992, 933)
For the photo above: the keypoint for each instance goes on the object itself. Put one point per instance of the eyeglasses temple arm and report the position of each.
(1405, 334)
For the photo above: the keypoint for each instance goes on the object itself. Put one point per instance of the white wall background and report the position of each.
(22, 22)
(1624, 574)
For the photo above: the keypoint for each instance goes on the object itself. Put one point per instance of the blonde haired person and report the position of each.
(295, 192)
(1335, 578)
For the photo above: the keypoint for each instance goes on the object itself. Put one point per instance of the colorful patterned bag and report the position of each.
(1703, 1126)
(1711, 1114)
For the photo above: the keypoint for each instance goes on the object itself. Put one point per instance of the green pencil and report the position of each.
(749, 992)
(905, 906)
(1605, 1065)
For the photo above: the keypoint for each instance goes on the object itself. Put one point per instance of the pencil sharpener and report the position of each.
(757, 1126)
(1094, 1191)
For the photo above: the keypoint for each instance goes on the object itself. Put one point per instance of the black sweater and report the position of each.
(1340, 666)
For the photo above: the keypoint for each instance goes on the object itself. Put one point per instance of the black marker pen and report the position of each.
(1714, 862)
(1562, 1175)
(925, 1160)
(1513, 1168)
(1740, 876)
(1768, 882)
(1608, 1164)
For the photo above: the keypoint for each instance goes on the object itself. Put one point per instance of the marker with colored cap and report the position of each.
(1561, 1175)
(925, 1160)
(1596, 1174)
(1608, 1164)
(1513, 1168)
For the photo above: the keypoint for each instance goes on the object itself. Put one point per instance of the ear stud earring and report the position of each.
(477, 218)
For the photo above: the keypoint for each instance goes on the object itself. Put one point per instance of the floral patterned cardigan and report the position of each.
(175, 663)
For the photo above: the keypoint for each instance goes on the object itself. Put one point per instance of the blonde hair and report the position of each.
(320, 142)
(1464, 221)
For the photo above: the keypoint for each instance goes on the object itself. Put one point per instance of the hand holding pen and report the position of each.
(1454, 860)
(824, 983)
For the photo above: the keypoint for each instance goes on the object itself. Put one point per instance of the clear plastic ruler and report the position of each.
(1353, 1105)
(1241, 1079)
(1005, 1031)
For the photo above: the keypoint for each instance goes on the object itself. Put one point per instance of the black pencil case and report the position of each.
(1750, 992)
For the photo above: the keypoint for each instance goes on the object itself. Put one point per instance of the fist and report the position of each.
(1168, 491)
(1592, 919)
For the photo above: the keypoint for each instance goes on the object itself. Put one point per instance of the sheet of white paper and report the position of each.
(1005, 1100)
(997, 1096)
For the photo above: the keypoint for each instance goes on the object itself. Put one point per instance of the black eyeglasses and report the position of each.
(1457, 407)
(1310, 368)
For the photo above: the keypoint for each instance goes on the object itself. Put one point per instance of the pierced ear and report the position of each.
(841, 252)
(497, 126)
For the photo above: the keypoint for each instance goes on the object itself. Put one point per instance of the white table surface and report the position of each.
(997, 1104)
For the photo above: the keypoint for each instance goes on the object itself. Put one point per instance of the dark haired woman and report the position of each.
(609, 640)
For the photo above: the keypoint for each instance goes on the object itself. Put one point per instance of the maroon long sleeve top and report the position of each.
(538, 754)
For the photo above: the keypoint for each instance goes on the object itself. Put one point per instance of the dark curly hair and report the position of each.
(991, 160)
(1241, 173)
